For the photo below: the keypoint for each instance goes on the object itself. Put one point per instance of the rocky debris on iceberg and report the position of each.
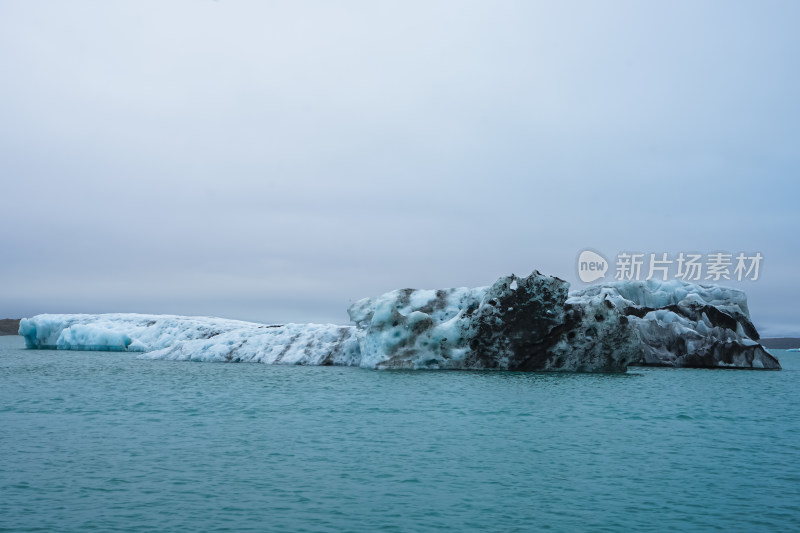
(519, 323)
(515, 324)
(681, 324)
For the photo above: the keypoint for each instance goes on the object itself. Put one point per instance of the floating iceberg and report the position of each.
(685, 325)
(515, 324)
(519, 323)
(194, 338)
(120, 331)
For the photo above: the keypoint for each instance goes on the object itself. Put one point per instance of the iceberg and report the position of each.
(120, 331)
(682, 324)
(194, 338)
(528, 323)
(288, 344)
(514, 324)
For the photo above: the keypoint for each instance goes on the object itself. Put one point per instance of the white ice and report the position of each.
(427, 327)
(194, 338)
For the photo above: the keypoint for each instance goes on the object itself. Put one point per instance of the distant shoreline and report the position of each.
(9, 326)
(781, 343)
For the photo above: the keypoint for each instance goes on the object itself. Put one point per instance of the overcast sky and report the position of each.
(276, 161)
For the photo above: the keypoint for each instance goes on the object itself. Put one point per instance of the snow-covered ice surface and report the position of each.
(518, 323)
(290, 344)
(121, 331)
(194, 338)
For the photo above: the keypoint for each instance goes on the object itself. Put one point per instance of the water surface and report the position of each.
(104, 441)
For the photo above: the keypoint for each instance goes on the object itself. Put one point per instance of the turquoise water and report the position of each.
(107, 442)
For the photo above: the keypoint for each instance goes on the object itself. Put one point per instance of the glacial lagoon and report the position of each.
(106, 441)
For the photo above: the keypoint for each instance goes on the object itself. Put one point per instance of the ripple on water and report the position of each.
(100, 440)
